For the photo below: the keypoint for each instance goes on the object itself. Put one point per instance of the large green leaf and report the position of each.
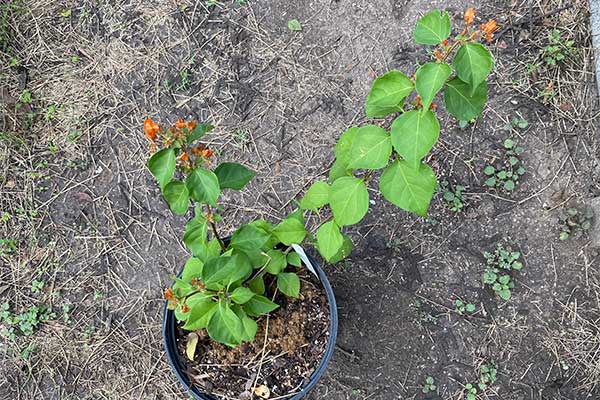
(289, 231)
(259, 305)
(462, 102)
(430, 79)
(203, 186)
(316, 196)
(408, 187)
(349, 200)
(433, 28)
(195, 237)
(371, 148)
(414, 133)
(233, 175)
(473, 62)
(387, 94)
(200, 313)
(344, 251)
(225, 326)
(289, 284)
(222, 271)
(329, 240)
(192, 269)
(249, 238)
(178, 197)
(343, 147)
(162, 165)
(250, 328)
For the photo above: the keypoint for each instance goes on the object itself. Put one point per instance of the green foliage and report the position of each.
(316, 197)
(575, 220)
(557, 49)
(516, 123)
(460, 307)
(294, 25)
(433, 28)
(506, 176)
(233, 176)
(487, 375)
(454, 199)
(429, 385)
(387, 94)
(500, 265)
(24, 323)
(408, 188)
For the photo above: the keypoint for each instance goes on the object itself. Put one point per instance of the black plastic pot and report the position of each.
(169, 325)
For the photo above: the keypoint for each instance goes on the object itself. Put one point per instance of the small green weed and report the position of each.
(7, 247)
(454, 199)
(460, 307)
(487, 376)
(507, 175)
(557, 49)
(497, 272)
(576, 220)
(37, 286)
(515, 123)
(429, 385)
(26, 322)
(294, 25)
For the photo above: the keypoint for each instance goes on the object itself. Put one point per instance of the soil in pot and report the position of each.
(296, 339)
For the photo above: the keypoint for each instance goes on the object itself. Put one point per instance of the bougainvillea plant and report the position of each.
(223, 284)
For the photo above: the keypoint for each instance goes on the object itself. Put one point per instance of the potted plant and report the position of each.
(252, 315)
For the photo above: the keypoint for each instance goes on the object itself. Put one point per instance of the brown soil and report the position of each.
(296, 339)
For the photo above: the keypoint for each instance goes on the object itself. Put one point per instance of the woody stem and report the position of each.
(213, 227)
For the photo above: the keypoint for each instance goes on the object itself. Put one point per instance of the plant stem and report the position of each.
(213, 227)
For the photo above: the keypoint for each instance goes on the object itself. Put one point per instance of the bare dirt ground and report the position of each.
(80, 213)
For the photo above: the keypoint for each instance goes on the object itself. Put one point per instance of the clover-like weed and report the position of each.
(506, 176)
(500, 263)
(454, 199)
(429, 385)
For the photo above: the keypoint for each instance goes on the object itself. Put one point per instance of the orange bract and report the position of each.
(488, 29)
(470, 16)
(438, 54)
(169, 294)
(191, 125)
(151, 129)
(184, 157)
(180, 124)
(185, 308)
(445, 42)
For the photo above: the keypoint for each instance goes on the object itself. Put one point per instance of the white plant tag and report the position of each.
(305, 259)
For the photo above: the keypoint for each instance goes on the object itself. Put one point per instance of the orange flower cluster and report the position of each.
(169, 294)
(201, 151)
(151, 129)
(470, 16)
(488, 29)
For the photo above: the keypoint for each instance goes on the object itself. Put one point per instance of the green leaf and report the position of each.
(162, 165)
(249, 238)
(289, 284)
(290, 231)
(200, 314)
(329, 240)
(509, 185)
(257, 285)
(192, 269)
(371, 148)
(222, 271)
(241, 295)
(338, 169)
(343, 147)
(178, 197)
(414, 133)
(462, 102)
(250, 329)
(316, 196)
(430, 79)
(233, 176)
(344, 251)
(225, 326)
(433, 28)
(489, 170)
(195, 237)
(203, 186)
(198, 132)
(349, 200)
(277, 261)
(294, 259)
(294, 25)
(408, 187)
(473, 62)
(259, 305)
(505, 294)
(387, 94)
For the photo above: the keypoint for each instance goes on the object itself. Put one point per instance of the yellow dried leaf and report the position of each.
(190, 347)
(262, 391)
